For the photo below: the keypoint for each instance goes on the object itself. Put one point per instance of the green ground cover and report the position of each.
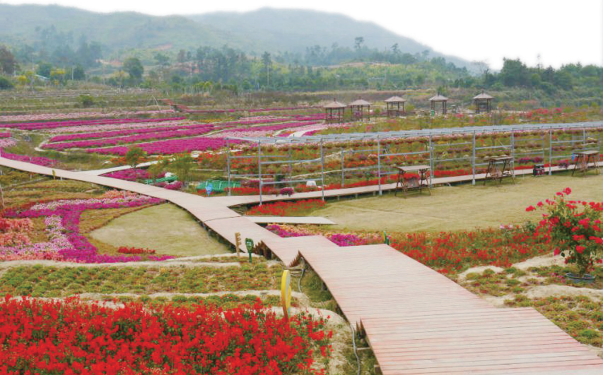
(41, 281)
(461, 207)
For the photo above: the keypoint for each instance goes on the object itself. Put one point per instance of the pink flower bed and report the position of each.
(62, 219)
(76, 115)
(173, 146)
(156, 135)
(39, 160)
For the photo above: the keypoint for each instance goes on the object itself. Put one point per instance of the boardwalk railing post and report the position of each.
(322, 171)
(512, 153)
(379, 156)
(228, 167)
(432, 171)
(474, 158)
(342, 166)
(260, 172)
(550, 152)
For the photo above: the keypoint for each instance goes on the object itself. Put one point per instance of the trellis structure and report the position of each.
(464, 145)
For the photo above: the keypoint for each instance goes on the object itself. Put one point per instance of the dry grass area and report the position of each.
(459, 207)
(164, 228)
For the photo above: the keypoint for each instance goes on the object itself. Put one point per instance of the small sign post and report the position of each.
(237, 242)
(386, 239)
(249, 245)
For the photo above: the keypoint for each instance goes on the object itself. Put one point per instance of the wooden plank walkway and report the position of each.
(418, 321)
(415, 320)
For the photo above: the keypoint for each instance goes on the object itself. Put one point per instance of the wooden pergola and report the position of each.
(393, 106)
(483, 102)
(357, 109)
(334, 111)
(439, 99)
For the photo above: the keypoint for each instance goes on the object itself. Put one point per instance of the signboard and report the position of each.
(249, 245)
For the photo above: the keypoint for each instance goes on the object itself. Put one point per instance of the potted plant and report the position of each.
(576, 228)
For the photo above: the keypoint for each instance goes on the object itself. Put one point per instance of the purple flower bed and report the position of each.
(39, 160)
(173, 146)
(60, 124)
(128, 174)
(340, 239)
(5, 135)
(251, 110)
(155, 135)
(63, 225)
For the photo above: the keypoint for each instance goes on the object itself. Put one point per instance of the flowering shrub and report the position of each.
(575, 227)
(14, 232)
(73, 337)
(39, 160)
(286, 208)
(131, 174)
(287, 191)
(340, 239)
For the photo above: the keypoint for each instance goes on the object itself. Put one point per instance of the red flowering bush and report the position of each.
(134, 250)
(451, 252)
(72, 337)
(575, 227)
(287, 208)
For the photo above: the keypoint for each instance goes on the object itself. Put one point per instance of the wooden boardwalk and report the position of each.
(415, 320)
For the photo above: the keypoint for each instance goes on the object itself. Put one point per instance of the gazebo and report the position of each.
(357, 109)
(483, 102)
(439, 99)
(393, 106)
(334, 111)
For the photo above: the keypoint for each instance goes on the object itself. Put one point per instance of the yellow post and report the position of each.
(237, 242)
(286, 293)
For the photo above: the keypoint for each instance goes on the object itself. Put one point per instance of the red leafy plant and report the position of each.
(73, 337)
(575, 227)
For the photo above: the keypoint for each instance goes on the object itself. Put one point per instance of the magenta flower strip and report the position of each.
(62, 218)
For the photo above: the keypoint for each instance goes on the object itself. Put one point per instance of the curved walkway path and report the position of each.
(416, 320)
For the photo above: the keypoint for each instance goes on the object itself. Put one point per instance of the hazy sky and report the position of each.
(558, 32)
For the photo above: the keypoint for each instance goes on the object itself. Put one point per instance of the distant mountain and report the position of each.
(272, 30)
(290, 30)
(121, 30)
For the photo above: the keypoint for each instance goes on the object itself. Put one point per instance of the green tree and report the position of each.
(182, 165)
(8, 63)
(135, 156)
(134, 68)
(5, 83)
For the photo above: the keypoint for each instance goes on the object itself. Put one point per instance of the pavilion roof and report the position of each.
(334, 104)
(360, 102)
(483, 96)
(438, 98)
(395, 99)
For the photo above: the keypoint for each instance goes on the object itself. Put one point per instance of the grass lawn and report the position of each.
(458, 207)
(164, 228)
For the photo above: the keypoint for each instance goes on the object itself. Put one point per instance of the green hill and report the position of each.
(272, 30)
